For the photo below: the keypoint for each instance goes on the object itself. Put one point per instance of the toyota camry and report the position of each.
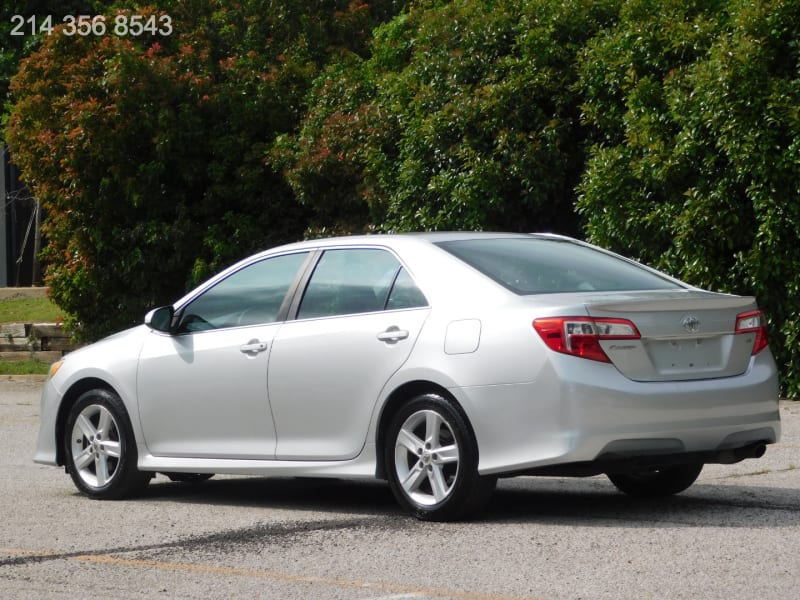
(436, 361)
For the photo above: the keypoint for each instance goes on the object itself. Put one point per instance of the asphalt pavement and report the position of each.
(734, 534)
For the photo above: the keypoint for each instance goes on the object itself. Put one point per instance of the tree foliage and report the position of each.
(464, 116)
(14, 47)
(696, 162)
(148, 153)
(672, 126)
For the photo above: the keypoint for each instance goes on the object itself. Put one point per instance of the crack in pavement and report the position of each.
(245, 535)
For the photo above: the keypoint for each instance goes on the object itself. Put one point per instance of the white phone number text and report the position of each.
(99, 25)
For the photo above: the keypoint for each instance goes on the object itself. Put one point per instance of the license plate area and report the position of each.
(687, 355)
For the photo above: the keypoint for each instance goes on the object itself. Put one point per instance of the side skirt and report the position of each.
(361, 467)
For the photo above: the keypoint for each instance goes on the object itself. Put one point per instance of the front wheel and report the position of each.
(656, 482)
(431, 458)
(100, 448)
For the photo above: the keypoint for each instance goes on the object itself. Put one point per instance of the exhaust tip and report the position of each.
(756, 450)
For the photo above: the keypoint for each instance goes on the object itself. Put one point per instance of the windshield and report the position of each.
(542, 266)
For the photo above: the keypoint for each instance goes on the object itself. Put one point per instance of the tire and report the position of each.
(100, 449)
(655, 483)
(189, 477)
(431, 459)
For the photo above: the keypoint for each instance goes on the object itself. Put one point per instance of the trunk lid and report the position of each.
(685, 334)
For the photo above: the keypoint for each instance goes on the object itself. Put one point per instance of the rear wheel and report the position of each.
(664, 481)
(432, 461)
(100, 449)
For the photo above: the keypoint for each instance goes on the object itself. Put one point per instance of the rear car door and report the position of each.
(355, 325)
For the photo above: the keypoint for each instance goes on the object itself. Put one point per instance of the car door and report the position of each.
(355, 326)
(203, 389)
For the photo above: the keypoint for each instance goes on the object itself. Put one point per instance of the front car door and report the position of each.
(355, 326)
(203, 389)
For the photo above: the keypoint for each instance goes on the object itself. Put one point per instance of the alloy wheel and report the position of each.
(426, 457)
(95, 446)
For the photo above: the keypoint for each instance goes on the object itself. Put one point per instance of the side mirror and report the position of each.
(160, 319)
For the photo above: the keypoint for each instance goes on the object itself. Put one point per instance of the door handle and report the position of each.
(393, 335)
(253, 347)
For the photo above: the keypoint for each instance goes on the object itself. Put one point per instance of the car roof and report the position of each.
(395, 241)
(426, 236)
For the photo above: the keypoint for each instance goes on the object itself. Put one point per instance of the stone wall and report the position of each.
(46, 342)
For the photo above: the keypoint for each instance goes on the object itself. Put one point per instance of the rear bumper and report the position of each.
(641, 460)
(580, 412)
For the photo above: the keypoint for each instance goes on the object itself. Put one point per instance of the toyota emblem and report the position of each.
(690, 323)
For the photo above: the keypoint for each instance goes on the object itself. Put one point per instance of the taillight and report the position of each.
(754, 322)
(581, 336)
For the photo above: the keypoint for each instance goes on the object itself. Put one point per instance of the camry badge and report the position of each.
(691, 324)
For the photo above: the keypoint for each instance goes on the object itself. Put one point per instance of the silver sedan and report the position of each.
(437, 361)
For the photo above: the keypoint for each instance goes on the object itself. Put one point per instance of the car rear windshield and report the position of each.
(541, 266)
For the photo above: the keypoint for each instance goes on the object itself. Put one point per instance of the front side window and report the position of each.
(357, 281)
(541, 266)
(250, 296)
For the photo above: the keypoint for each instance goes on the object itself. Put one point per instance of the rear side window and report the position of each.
(540, 266)
(405, 293)
(359, 280)
(348, 282)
